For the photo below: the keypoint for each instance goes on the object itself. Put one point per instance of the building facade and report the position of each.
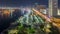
(53, 8)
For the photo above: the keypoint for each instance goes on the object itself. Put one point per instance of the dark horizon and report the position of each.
(18, 3)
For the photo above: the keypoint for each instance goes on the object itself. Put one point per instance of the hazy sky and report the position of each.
(22, 2)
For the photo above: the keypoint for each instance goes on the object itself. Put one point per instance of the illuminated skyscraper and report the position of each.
(53, 8)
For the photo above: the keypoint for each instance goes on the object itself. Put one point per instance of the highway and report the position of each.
(54, 21)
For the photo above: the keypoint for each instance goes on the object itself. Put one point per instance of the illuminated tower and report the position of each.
(53, 8)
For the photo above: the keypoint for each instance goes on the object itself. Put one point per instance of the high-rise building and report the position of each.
(53, 8)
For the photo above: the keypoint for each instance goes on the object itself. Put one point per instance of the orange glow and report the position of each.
(5, 12)
(43, 16)
(54, 21)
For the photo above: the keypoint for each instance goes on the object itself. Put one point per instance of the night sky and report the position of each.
(17, 3)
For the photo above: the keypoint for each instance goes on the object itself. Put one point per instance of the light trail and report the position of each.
(43, 16)
(47, 19)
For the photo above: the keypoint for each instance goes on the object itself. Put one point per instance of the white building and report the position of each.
(58, 13)
(53, 8)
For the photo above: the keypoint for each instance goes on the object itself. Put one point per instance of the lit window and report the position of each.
(58, 12)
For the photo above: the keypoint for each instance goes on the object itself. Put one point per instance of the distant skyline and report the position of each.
(17, 3)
